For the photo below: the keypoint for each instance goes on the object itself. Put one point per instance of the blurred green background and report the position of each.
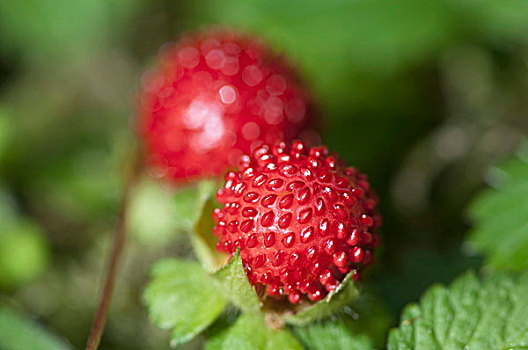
(423, 95)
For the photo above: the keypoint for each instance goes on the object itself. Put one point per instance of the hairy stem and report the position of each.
(120, 233)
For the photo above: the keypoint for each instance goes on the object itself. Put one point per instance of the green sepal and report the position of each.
(232, 281)
(190, 200)
(202, 239)
(345, 293)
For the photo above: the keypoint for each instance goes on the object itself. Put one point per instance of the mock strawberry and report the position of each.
(302, 220)
(214, 96)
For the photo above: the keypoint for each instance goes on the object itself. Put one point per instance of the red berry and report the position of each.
(303, 220)
(214, 96)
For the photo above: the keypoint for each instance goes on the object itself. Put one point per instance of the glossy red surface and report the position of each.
(302, 220)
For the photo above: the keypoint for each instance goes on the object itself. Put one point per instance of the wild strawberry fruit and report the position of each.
(213, 97)
(302, 220)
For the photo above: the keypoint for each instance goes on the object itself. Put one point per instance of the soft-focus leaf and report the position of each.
(503, 21)
(349, 34)
(58, 29)
(233, 282)
(250, 333)
(18, 332)
(182, 297)
(500, 217)
(332, 303)
(24, 252)
(83, 187)
(152, 214)
(331, 335)
(469, 314)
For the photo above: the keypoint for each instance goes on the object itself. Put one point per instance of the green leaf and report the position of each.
(344, 294)
(232, 280)
(500, 217)
(250, 332)
(19, 332)
(330, 335)
(469, 314)
(182, 297)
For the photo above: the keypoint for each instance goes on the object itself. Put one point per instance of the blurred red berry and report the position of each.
(302, 220)
(214, 96)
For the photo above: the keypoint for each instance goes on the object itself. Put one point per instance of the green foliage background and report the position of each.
(423, 95)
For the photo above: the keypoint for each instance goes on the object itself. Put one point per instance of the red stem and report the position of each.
(116, 253)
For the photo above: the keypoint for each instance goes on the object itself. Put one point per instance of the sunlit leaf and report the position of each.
(182, 297)
(469, 314)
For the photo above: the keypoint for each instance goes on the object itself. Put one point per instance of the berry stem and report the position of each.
(132, 170)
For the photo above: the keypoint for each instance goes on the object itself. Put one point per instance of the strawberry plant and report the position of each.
(299, 175)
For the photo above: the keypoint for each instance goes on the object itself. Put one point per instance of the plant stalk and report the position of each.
(120, 234)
